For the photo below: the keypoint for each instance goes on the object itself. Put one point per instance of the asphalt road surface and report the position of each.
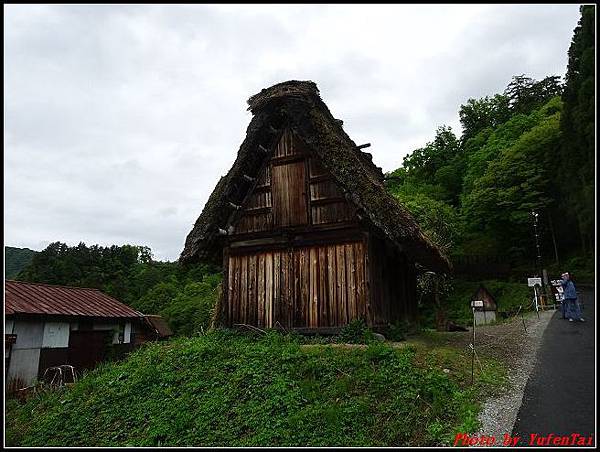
(560, 395)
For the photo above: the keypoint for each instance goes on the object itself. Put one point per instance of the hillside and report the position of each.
(231, 389)
(16, 259)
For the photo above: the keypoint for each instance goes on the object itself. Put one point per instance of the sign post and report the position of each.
(535, 283)
(474, 304)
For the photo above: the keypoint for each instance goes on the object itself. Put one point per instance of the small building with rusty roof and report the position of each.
(48, 325)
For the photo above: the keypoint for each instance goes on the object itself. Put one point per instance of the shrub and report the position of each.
(356, 332)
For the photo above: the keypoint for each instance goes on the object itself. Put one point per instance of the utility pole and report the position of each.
(535, 215)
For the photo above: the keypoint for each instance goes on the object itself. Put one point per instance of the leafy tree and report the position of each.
(517, 181)
(525, 94)
(479, 114)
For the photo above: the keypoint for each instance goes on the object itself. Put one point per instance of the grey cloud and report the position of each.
(119, 120)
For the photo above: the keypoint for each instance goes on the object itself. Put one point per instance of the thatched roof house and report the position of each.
(298, 172)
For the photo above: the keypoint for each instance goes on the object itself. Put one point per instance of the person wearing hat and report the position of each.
(572, 311)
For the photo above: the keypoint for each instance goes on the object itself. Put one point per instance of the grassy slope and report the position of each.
(234, 390)
(16, 259)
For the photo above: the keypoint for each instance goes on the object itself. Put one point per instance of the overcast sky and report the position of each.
(119, 120)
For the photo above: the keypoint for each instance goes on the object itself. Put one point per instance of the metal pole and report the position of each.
(473, 351)
(536, 301)
(537, 244)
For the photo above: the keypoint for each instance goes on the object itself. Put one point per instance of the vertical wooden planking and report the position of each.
(323, 293)
(261, 291)
(282, 308)
(251, 301)
(289, 285)
(230, 287)
(313, 309)
(341, 277)
(243, 288)
(303, 275)
(359, 263)
(277, 298)
(351, 285)
(237, 290)
(331, 285)
(306, 287)
(268, 289)
(369, 277)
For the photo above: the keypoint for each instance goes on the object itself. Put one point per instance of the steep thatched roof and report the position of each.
(298, 105)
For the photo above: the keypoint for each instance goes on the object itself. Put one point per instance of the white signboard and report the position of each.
(534, 282)
(477, 303)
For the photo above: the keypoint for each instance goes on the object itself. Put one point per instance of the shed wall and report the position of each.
(304, 287)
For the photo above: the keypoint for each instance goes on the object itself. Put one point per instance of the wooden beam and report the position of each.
(249, 178)
(323, 201)
(287, 159)
(262, 148)
(234, 206)
(257, 210)
(362, 146)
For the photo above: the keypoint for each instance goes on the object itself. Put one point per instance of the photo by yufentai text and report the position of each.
(533, 439)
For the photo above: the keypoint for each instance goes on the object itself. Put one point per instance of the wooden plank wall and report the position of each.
(294, 189)
(393, 289)
(289, 194)
(327, 201)
(306, 287)
(258, 214)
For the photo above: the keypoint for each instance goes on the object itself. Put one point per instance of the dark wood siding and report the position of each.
(293, 189)
(393, 291)
(316, 286)
(289, 194)
(257, 214)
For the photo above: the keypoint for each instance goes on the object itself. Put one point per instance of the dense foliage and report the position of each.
(184, 296)
(577, 151)
(226, 389)
(15, 260)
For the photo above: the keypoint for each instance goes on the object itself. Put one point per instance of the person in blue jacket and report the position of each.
(573, 312)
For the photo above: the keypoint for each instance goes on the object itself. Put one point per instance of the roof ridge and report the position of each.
(52, 285)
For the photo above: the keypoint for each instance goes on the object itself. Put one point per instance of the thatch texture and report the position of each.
(297, 104)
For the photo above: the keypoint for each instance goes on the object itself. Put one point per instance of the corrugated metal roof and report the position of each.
(34, 298)
(160, 325)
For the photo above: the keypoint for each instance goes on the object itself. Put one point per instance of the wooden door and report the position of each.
(289, 194)
(87, 348)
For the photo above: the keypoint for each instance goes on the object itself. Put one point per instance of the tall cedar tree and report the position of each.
(577, 126)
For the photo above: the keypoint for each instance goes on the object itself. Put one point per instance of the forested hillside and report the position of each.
(529, 148)
(15, 260)
(184, 296)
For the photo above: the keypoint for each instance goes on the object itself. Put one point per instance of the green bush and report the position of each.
(356, 332)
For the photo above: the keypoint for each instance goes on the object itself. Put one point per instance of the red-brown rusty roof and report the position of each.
(159, 324)
(33, 298)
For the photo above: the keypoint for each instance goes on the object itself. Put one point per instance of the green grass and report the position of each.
(230, 389)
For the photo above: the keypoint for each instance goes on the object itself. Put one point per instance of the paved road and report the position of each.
(560, 395)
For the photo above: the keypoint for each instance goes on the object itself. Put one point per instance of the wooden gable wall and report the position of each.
(293, 189)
